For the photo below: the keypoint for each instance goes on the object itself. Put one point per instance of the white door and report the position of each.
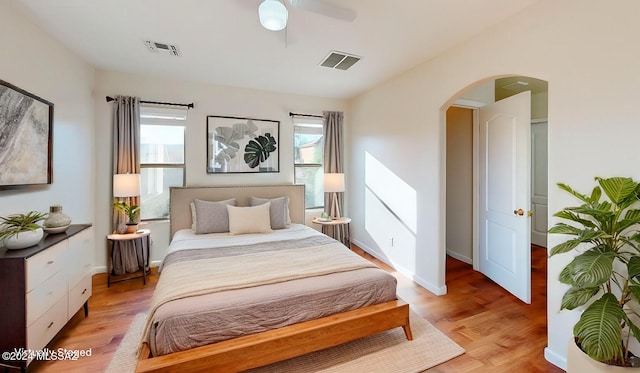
(504, 194)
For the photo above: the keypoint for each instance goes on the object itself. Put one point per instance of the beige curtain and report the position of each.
(333, 163)
(126, 159)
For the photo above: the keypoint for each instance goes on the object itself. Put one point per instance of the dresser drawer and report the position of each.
(43, 297)
(45, 328)
(80, 258)
(79, 294)
(44, 264)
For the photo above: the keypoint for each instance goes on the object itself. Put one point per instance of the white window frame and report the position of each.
(302, 122)
(159, 116)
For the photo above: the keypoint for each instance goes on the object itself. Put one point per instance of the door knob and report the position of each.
(519, 212)
(529, 213)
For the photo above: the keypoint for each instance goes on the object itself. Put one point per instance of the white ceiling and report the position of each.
(222, 42)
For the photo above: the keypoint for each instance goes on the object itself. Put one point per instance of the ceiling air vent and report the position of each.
(163, 48)
(339, 60)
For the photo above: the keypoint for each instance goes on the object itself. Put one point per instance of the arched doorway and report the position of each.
(461, 161)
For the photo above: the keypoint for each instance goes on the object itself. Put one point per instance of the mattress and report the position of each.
(199, 320)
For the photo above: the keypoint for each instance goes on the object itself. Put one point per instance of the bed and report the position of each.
(234, 302)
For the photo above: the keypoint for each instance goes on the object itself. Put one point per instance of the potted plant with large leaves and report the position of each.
(605, 274)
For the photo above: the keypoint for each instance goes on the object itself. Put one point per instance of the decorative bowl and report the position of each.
(23, 239)
(54, 230)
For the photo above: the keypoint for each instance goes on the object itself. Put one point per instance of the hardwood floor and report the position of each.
(498, 332)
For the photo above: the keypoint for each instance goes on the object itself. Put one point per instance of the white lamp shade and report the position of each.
(333, 183)
(273, 15)
(126, 185)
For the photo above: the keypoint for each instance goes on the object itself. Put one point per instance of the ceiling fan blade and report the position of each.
(326, 9)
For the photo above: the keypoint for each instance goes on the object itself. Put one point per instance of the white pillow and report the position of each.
(254, 219)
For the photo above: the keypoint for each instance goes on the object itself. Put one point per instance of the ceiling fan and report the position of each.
(273, 14)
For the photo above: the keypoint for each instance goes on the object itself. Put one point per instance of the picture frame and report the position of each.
(26, 138)
(242, 145)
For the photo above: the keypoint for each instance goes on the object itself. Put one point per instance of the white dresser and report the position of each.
(42, 287)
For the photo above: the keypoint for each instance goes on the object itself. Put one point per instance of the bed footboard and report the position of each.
(284, 343)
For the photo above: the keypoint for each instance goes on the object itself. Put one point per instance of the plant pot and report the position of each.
(579, 362)
(132, 227)
(24, 239)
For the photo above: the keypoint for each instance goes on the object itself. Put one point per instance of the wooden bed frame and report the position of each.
(279, 344)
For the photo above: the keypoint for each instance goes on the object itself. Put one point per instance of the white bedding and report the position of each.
(188, 322)
(186, 239)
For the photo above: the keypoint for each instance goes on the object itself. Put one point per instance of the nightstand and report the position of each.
(142, 244)
(331, 225)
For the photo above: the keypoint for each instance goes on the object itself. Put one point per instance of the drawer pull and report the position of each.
(50, 262)
(50, 325)
(84, 291)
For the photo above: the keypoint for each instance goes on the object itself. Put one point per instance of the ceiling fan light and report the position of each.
(273, 15)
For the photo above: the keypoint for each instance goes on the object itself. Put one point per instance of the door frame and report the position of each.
(475, 185)
(475, 188)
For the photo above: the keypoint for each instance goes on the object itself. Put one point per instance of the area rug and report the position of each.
(384, 352)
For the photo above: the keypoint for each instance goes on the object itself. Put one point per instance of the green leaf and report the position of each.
(562, 228)
(602, 212)
(634, 286)
(618, 189)
(633, 267)
(592, 268)
(584, 236)
(596, 193)
(599, 330)
(566, 276)
(565, 247)
(576, 297)
(581, 197)
(258, 150)
(564, 214)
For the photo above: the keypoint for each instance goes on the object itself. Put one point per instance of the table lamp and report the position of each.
(334, 183)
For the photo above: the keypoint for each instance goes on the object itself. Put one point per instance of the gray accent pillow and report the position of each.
(212, 217)
(279, 211)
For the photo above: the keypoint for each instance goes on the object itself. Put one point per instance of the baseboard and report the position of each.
(555, 359)
(103, 269)
(459, 256)
(437, 290)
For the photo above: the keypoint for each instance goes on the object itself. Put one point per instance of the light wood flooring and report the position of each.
(498, 332)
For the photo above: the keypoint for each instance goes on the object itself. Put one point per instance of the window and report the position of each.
(308, 163)
(162, 156)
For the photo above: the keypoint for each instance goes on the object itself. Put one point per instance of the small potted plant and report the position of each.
(604, 275)
(132, 214)
(21, 230)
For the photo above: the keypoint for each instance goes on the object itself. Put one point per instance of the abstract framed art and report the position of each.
(242, 145)
(26, 138)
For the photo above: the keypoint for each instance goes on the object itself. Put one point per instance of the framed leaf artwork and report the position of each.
(242, 145)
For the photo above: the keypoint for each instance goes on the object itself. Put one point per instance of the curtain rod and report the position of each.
(304, 115)
(190, 106)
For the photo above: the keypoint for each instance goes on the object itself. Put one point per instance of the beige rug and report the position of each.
(384, 353)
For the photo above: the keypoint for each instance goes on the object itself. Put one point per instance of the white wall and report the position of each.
(209, 100)
(585, 50)
(459, 240)
(37, 63)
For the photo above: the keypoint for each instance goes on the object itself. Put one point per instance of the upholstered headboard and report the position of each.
(181, 197)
